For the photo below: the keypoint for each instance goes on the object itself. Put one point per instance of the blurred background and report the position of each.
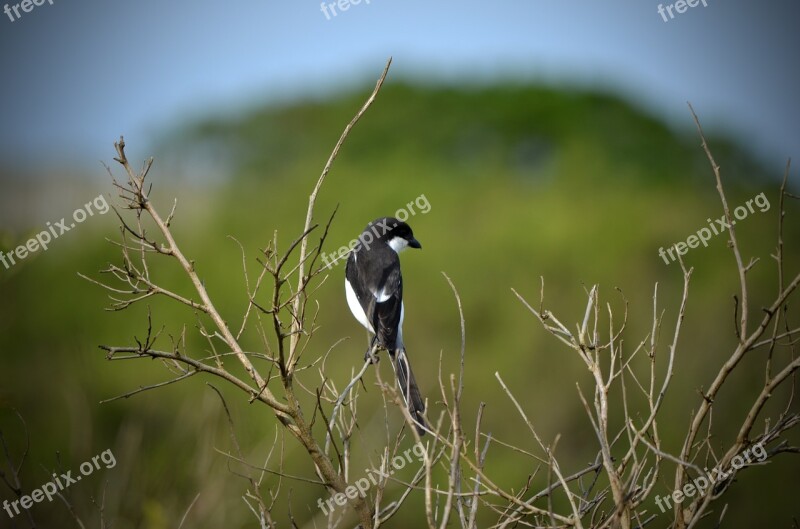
(551, 139)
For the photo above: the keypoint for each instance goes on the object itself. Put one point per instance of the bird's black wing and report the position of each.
(379, 289)
(388, 309)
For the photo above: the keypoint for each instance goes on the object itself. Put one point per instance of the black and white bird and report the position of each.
(374, 287)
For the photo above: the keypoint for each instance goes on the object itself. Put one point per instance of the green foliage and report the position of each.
(523, 182)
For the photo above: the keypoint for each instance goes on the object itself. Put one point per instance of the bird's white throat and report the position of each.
(398, 244)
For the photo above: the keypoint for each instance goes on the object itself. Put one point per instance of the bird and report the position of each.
(374, 289)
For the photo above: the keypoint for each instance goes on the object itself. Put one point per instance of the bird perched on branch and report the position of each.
(374, 287)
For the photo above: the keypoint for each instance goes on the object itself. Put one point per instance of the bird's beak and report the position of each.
(414, 243)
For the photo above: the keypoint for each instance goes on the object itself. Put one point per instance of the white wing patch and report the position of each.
(400, 326)
(355, 307)
(382, 295)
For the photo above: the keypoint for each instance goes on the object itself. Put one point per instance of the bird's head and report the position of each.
(396, 233)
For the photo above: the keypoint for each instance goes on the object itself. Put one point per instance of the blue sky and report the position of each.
(78, 73)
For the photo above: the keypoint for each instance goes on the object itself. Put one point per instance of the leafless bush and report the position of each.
(609, 492)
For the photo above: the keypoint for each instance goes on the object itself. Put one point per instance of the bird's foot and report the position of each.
(371, 356)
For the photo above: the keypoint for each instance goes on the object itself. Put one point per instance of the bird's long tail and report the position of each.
(408, 386)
